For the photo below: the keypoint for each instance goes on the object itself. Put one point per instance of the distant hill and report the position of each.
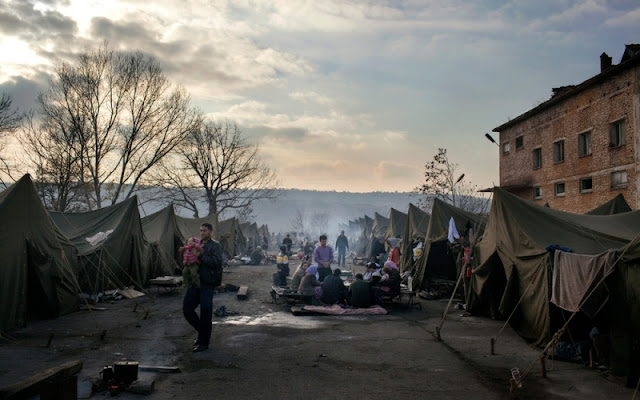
(340, 206)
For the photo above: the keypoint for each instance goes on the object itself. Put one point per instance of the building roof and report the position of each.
(630, 59)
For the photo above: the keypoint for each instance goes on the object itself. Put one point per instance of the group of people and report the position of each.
(315, 277)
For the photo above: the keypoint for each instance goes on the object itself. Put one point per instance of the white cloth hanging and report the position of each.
(453, 232)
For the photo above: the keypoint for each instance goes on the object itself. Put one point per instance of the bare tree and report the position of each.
(10, 121)
(442, 181)
(245, 214)
(57, 167)
(123, 115)
(218, 159)
(319, 222)
(299, 222)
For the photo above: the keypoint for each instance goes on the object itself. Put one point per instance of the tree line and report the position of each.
(111, 123)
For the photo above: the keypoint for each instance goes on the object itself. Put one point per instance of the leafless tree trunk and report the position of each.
(10, 122)
(219, 160)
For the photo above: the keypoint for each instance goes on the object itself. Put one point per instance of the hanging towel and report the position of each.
(453, 232)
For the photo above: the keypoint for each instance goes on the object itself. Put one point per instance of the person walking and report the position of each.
(210, 272)
(342, 244)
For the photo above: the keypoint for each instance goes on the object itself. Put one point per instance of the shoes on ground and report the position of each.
(200, 348)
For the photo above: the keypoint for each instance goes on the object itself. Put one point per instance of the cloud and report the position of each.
(312, 97)
(630, 19)
(390, 171)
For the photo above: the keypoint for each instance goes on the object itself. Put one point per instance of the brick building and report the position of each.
(581, 147)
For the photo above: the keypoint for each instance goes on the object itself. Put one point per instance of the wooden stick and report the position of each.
(543, 367)
(49, 341)
(31, 386)
(493, 342)
(438, 338)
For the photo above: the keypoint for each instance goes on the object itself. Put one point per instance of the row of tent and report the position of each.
(51, 257)
(535, 266)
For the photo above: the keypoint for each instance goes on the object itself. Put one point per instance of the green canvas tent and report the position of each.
(363, 240)
(514, 267)
(415, 231)
(112, 249)
(438, 261)
(231, 238)
(397, 224)
(616, 205)
(378, 229)
(250, 232)
(38, 272)
(164, 236)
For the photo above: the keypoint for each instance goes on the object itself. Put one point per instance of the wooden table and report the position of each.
(170, 283)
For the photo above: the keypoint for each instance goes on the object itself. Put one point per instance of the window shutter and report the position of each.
(621, 125)
(612, 135)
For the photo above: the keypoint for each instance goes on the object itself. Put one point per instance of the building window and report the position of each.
(519, 142)
(619, 179)
(586, 185)
(537, 158)
(537, 192)
(505, 148)
(559, 189)
(558, 151)
(616, 134)
(584, 144)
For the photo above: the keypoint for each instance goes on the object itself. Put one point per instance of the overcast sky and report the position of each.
(342, 95)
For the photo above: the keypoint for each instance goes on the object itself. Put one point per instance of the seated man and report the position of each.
(256, 256)
(333, 289)
(360, 293)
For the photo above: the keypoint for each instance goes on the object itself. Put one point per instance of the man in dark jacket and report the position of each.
(210, 276)
(342, 244)
(333, 289)
(287, 242)
(377, 248)
(360, 293)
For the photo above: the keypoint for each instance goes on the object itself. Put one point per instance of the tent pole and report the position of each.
(444, 314)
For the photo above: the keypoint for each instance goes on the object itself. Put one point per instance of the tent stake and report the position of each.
(493, 342)
(543, 367)
(438, 338)
(49, 341)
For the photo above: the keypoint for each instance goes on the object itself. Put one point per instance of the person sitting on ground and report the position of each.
(256, 256)
(360, 293)
(282, 265)
(392, 284)
(375, 276)
(391, 265)
(371, 268)
(333, 289)
(309, 284)
(297, 276)
(190, 252)
(385, 274)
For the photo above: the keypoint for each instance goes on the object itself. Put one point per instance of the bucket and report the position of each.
(126, 371)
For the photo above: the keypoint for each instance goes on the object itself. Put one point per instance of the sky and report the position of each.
(345, 95)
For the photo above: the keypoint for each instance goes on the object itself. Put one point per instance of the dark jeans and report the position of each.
(342, 255)
(203, 297)
(323, 272)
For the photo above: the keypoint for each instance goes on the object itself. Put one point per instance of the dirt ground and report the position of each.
(265, 352)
